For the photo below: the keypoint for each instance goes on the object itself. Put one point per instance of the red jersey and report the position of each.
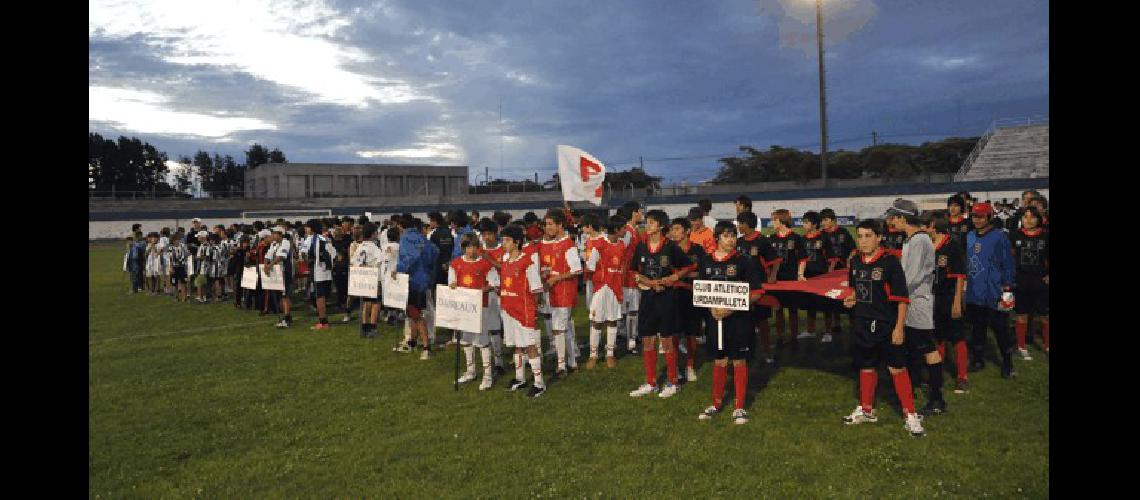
(470, 274)
(592, 245)
(519, 279)
(561, 257)
(609, 270)
(495, 255)
(635, 237)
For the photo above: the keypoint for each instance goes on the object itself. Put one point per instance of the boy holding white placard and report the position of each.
(470, 270)
(368, 254)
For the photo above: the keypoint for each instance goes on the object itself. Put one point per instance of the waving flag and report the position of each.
(581, 175)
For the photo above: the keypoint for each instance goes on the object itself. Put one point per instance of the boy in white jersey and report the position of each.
(368, 254)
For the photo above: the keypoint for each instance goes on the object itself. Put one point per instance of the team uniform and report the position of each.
(473, 274)
(153, 260)
(790, 249)
(589, 246)
(949, 267)
(1031, 255)
(759, 248)
(840, 245)
(519, 282)
(560, 257)
(818, 254)
(893, 241)
(607, 266)
(659, 306)
(494, 320)
(958, 229)
(178, 254)
(631, 295)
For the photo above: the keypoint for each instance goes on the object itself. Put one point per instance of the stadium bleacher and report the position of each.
(1016, 149)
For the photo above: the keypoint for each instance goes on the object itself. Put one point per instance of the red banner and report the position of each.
(832, 285)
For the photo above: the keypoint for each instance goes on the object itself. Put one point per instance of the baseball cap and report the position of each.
(202, 234)
(696, 213)
(195, 220)
(902, 207)
(982, 209)
(264, 233)
(278, 229)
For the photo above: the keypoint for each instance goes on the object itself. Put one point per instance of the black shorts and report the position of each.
(658, 313)
(761, 313)
(688, 319)
(179, 275)
(417, 302)
(738, 338)
(322, 289)
(870, 346)
(946, 328)
(1032, 302)
(919, 341)
(288, 284)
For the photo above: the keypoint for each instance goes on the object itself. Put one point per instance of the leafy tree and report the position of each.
(256, 155)
(276, 156)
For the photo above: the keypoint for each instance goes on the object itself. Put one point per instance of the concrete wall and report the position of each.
(324, 180)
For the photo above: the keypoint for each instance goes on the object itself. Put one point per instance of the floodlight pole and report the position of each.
(822, 91)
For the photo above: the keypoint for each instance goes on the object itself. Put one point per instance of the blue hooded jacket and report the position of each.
(989, 262)
(417, 259)
(459, 232)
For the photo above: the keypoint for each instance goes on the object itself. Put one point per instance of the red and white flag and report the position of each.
(581, 175)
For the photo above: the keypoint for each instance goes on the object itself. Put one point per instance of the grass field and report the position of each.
(206, 400)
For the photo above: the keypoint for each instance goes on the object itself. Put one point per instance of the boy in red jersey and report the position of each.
(607, 266)
(470, 270)
(592, 233)
(493, 252)
(521, 290)
(631, 295)
(560, 268)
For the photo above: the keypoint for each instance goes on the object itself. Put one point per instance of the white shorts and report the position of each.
(605, 306)
(631, 299)
(517, 335)
(560, 319)
(479, 339)
(492, 318)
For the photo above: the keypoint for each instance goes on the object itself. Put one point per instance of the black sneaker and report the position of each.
(933, 408)
(535, 391)
(499, 371)
(962, 387)
(516, 384)
(1007, 370)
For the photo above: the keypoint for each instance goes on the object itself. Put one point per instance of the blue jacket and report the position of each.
(459, 232)
(989, 261)
(417, 259)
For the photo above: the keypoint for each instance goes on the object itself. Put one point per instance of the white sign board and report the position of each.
(249, 277)
(721, 294)
(273, 280)
(363, 281)
(460, 309)
(190, 269)
(395, 291)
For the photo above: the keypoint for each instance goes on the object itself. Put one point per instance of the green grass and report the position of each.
(206, 400)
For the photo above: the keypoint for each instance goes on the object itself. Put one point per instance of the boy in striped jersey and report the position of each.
(369, 254)
(178, 255)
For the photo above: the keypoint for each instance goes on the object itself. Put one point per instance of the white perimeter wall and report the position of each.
(861, 208)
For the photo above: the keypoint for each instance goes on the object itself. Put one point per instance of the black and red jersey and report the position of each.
(759, 248)
(893, 241)
(879, 285)
(818, 254)
(694, 253)
(658, 261)
(1031, 254)
(949, 264)
(733, 267)
(790, 249)
(958, 229)
(841, 245)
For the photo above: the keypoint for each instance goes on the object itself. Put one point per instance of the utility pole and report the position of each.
(641, 162)
(959, 103)
(822, 91)
(874, 138)
(501, 137)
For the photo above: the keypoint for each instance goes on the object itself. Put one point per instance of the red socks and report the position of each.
(1019, 328)
(691, 343)
(868, 379)
(1045, 332)
(650, 366)
(942, 350)
(740, 380)
(902, 388)
(720, 376)
(960, 358)
(671, 362)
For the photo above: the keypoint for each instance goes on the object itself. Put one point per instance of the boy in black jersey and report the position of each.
(759, 248)
(790, 249)
(949, 281)
(958, 223)
(878, 305)
(727, 263)
(689, 318)
(817, 256)
(842, 246)
(893, 239)
(658, 263)
(1031, 254)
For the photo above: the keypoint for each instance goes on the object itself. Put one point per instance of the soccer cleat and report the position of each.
(346, 318)
(690, 374)
(402, 347)
(591, 363)
(560, 374)
(739, 416)
(631, 347)
(499, 371)
(1007, 371)
(708, 413)
(320, 326)
(914, 425)
(962, 387)
(770, 359)
(933, 408)
(611, 362)
(805, 335)
(643, 390)
(701, 340)
(535, 391)
(668, 391)
(825, 338)
(859, 416)
(1024, 353)
(516, 384)
(467, 377)
(426, 355)
(485, 385)
(283, 324)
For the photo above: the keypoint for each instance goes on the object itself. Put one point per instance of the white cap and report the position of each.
(195, 220)
(202, 234)
(264, 233)
(278, 229)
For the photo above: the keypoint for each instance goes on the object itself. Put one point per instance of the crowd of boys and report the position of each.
(915, 279)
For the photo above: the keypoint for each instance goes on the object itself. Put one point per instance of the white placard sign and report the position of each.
(723, 294)
(249, 277)
(460, 309)
(363, 281)
(273, 280)
(395, 291)
(190, 269)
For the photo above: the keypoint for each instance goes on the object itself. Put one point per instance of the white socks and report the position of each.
(611, 339)
(536, 367)
(469, 353)
(559, 341)
(631, 330)
(497, 347)
(487, 365)
(520, 368)
(595, 338)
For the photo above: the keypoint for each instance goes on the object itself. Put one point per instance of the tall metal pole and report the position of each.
(822, 91)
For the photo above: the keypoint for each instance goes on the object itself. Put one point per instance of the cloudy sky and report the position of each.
(421, 81)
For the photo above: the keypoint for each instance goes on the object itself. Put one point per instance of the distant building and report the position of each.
(326, 180)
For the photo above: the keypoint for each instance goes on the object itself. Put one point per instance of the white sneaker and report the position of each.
(690, 374)
(708, 413)
(914, 425)
(769, 359)
(282, 324)
(346, 318)
(668, 391)
(1024, 353)
(426, 355)
(467, 377)
(681, 347)
(486, 384)
(859, 416)
(825, 338)
(643, 390)
(805, 335)
(739, 417)
(701, 340)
